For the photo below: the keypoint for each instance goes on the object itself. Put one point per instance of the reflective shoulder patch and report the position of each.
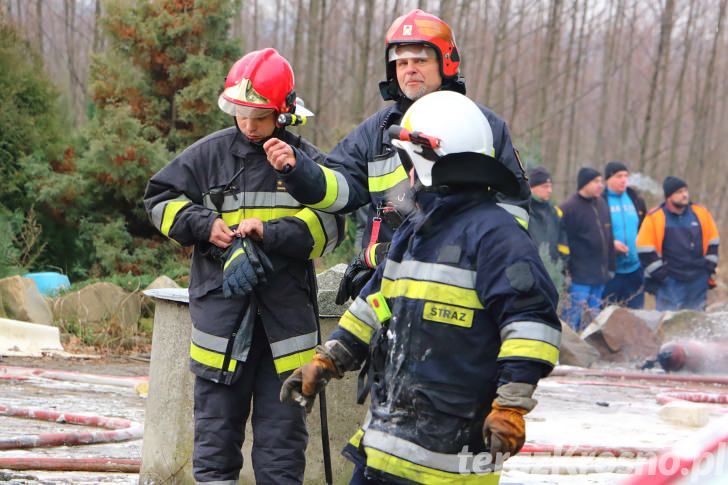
(450, 314)
(520, 276)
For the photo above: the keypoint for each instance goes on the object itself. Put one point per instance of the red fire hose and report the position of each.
(122, 429)
(101, 465)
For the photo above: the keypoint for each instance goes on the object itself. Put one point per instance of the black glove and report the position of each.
(246, 266)
(360, 270)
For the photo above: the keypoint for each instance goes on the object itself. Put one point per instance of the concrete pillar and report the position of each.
(168, 420)
(168, 427)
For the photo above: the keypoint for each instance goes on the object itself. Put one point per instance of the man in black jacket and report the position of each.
(592, 257)
(545, 226)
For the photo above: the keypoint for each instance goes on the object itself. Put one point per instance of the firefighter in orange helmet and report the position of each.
(421, 56)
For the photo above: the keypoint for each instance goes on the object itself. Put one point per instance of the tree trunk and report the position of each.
(662, 45)
(39, 28)
(572, 150)
(705, 103)
(553, 36)
(687, 43)
(319, 105)
(298, 36)
(669, 21)
(608, 63)
(625, 125)
(362, 79)
(501, 30)
(561, 165)
(69, 18)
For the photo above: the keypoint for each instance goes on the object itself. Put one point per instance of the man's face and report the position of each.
(257, 129)
(680, 198)
(593, 188)
(417, 76)
(617, 183)
(543, 191)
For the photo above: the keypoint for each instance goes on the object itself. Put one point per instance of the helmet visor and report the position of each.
(234, 109)
(411, 51)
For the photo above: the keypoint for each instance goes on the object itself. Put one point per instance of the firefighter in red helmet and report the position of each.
(252, 243)
(421, 56)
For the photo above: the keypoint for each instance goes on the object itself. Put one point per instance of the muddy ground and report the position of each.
(569, 413)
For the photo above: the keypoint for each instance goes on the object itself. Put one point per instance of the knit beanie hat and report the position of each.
(538, 176)
(586, 175)
(672, 185)
(614, 167)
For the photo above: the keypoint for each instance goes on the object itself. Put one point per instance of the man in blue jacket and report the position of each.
(627, 210)
(591, 245)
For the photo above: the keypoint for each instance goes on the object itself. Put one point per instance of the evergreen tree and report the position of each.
(154, 91)
(30, 137)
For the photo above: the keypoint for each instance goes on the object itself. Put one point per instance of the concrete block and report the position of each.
(25, 339)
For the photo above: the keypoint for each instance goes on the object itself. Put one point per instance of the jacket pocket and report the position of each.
(444, 416)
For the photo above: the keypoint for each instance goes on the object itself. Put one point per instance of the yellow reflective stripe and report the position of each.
(429, 290)
(293, 361)
(356, 327)
(170, 212)
(559, 212)
(421, 474)
(372, 250)
(564, 249)
(332, 190)
(384, 182)
(532, 349)
(316, 229)
(380, 307)
(237, 253)
(355, 440)
(264, 214)
(210, 358)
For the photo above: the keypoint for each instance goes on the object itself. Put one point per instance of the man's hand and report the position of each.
(280, 154)
(620, 247)
(221, 235)
(252, 228)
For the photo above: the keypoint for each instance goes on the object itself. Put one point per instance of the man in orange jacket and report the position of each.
(678, 247)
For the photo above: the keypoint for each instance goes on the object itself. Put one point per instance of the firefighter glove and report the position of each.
(246, 266)
(504, 430)
(360, 271)
(331, 360)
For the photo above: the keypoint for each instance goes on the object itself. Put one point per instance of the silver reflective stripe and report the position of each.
(714, 241)
(383, 167)
(713, 258)
(411, 452)
(531, 331)
(654, 266)
(233, 202)
(342, 195)
(361, 310)
(294, 344)
(439, 273)
(646, 249)
(208, 341)
(158, 210)
(331, 229)
(517, 212)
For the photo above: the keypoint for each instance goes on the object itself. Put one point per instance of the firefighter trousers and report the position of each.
(221, 411)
